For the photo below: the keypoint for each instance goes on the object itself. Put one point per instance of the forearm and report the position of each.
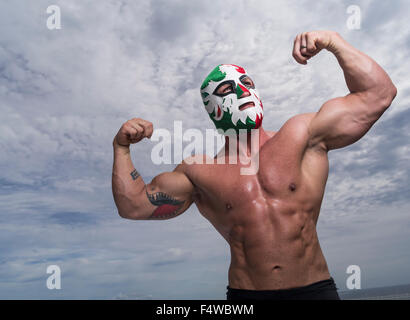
(362, 73)
(127, 184)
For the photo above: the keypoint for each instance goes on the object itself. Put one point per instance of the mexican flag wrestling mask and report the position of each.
(231, 100)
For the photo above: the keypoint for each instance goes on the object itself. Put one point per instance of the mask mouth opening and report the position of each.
(246, 105)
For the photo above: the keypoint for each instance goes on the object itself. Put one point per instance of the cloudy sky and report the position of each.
(65, 93)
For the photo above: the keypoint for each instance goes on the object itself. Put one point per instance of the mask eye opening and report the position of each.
(249, 84)
(232, 88)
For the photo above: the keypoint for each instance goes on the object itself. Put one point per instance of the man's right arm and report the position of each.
(167, 196)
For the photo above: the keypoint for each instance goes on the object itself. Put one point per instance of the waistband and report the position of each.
(320, 285)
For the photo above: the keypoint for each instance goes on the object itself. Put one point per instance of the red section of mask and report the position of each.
(258, 121)
(238, 68)
(243, 88)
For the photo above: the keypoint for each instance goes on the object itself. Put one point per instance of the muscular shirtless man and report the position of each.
(269, 218)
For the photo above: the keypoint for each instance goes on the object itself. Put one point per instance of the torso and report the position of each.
(269, 219)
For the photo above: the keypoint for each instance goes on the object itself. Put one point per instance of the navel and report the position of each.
(292, 187)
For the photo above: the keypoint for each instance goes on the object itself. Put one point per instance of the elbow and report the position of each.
(393, 92)
(127, 206)
(129, 215)
(124, 214)
(128, 210)
(389, 93)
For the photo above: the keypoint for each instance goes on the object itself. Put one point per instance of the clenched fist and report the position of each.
(133, 131)
(309, 44)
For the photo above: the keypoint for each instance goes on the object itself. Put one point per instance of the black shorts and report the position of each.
(322, 290)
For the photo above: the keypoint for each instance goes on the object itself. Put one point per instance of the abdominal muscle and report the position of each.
(274, 249)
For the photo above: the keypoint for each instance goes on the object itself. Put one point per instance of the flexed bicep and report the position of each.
(168, 195)
(343, 121)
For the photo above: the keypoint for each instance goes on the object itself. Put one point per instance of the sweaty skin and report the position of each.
(268, 219)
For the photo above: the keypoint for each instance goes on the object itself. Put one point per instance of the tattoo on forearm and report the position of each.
(135, 174)
(168, 207)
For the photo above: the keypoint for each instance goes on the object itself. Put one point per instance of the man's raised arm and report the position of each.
(344, 120)
(168, 195)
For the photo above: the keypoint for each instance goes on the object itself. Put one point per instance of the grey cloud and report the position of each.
(73, 218)
(64, 94)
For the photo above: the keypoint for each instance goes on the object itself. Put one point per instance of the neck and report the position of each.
(244, 147)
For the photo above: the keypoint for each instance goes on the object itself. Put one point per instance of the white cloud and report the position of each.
(65, 93)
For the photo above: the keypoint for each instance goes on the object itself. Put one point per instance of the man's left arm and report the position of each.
(344, 120)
